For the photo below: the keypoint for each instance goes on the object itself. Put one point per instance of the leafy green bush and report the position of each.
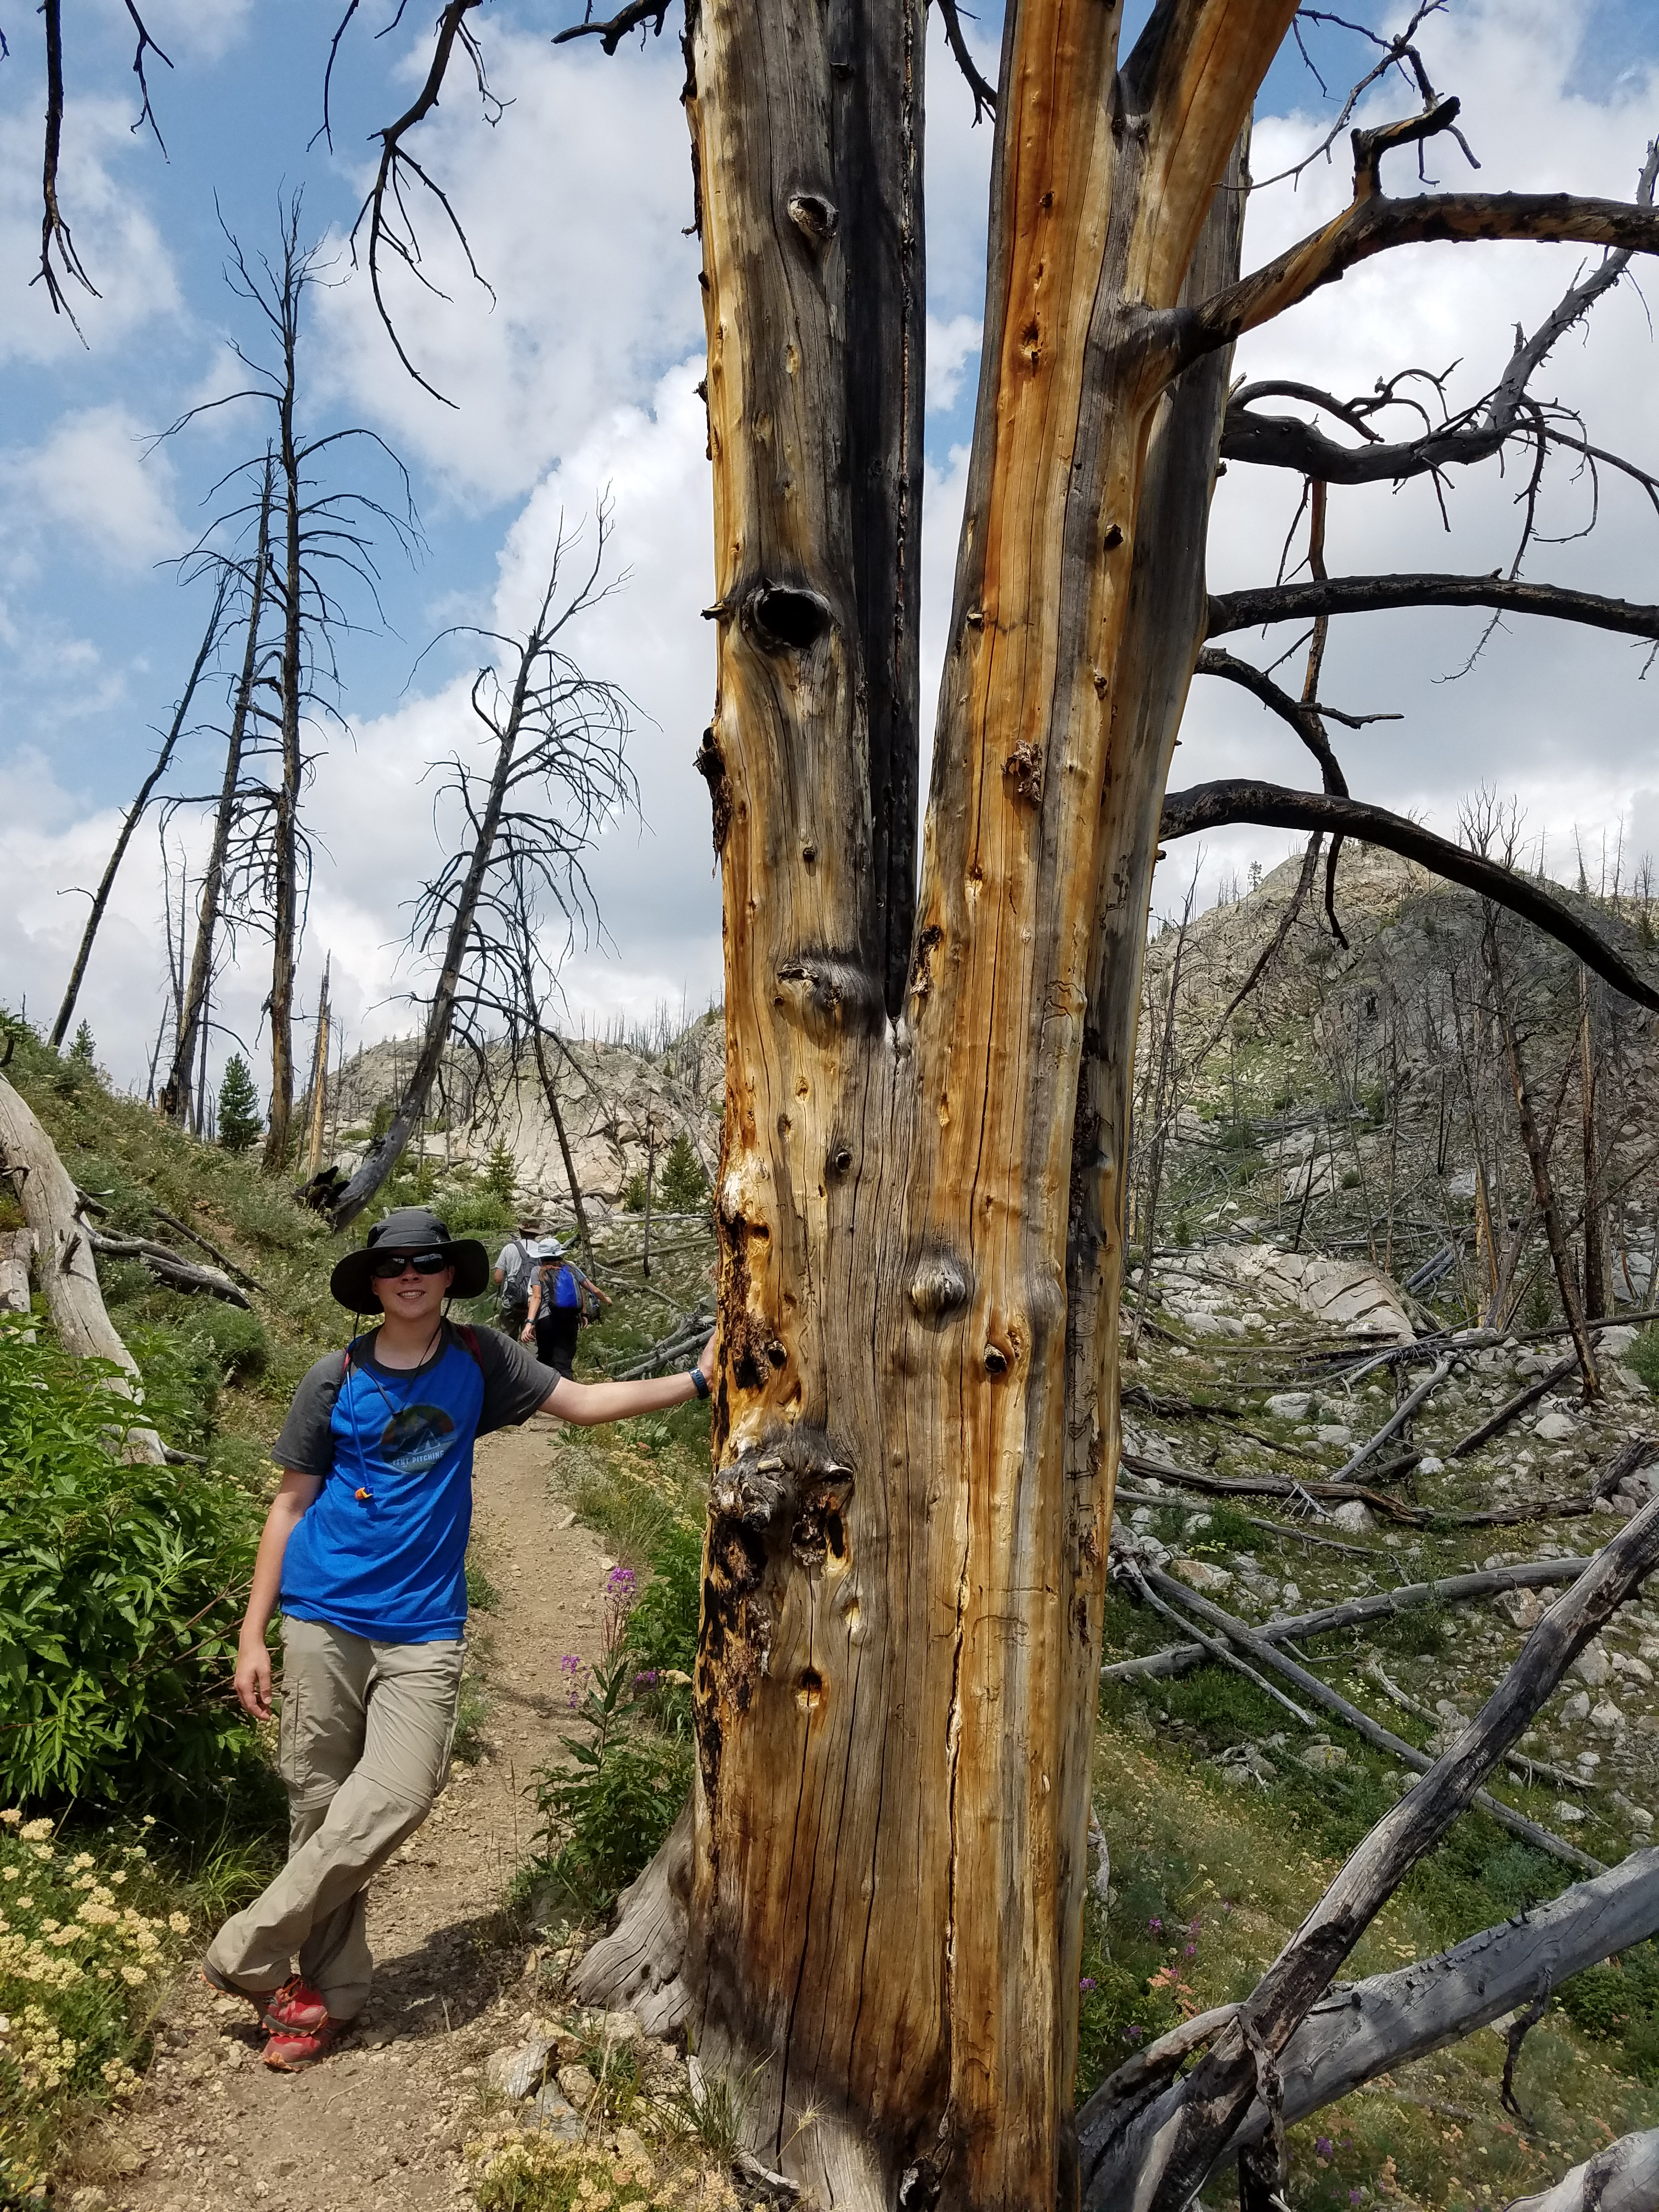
(1621, 2003)
(1644, 1355)
(604, 1816)
(118, 1594)
(633, 1197)
(662, 1628)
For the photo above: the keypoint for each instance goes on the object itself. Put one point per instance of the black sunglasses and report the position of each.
(423, 1263)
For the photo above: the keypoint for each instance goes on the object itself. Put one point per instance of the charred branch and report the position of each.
(1357, 595)
(1208, 805)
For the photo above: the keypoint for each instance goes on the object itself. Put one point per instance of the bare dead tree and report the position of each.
(134, 815)
(193, 996)
(318, 539)
(553, 738)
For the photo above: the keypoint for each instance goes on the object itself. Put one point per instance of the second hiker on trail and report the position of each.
(561, 1299)
(365, 1550)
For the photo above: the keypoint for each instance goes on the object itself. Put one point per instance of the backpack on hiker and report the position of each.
(516, 1278)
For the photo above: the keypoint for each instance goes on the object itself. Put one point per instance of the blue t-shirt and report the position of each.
(381, 1551)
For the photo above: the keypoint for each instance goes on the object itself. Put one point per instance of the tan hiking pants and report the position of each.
(363, 1746)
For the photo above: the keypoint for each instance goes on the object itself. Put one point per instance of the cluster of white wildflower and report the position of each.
(65, 1929)
(616, 2173)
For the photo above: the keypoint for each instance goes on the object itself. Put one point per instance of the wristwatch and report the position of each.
(699, 1381)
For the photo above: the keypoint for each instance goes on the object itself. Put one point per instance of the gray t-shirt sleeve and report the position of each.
(515, 1383)
(307, 1444)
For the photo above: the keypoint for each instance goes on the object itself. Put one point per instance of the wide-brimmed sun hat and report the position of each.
(410, 1228)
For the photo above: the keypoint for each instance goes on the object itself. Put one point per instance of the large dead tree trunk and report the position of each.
(63, 1255)
(285, 813)
(921, 1254)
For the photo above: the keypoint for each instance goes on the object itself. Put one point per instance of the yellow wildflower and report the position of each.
(34, 1831)
(11, 1816)
(180, 1922)
(132, 1976)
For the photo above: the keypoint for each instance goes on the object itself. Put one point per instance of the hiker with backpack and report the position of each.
(514, 1273)
(364, 1549)
(559, 1303)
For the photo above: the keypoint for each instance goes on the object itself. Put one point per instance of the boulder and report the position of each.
(1592, 1666)
(554, 2115)
(517, 2071)
(1576, 1708)
(1289, 1405)
(1555, 1427)
(1605, 1715)
(1355, 1515)
(1199, 1575)
(578, 2084)
(1567, 1813)
(1523, 1607)
(1324, 1758)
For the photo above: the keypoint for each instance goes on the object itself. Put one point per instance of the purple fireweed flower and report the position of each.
(1087, 1983)
(1323, 2147)
(1136, 2031)
(1356, 2196)
(1192, 1950)
(1156, 1926)
(570, 1664)
(645, 1677)
(619, 1584)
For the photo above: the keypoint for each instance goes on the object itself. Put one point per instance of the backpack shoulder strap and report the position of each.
(467, 1336)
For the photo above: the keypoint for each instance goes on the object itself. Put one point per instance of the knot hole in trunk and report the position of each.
(786, 617)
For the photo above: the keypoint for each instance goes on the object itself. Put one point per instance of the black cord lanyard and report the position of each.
(363, 1494)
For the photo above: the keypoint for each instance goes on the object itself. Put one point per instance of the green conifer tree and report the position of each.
(83, 1048)
(240, 1118)
(501, 1173)
(682, 1185)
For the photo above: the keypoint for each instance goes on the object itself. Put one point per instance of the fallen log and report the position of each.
(1623, 2178)
(239, 1274)
(1288, 1529)
(1362, 2029)
(63, 1257)
(1160, 2158)
(1518, 1762)
(1271, 1486)
(1401, 1413)
(1352, 1716)
(1511, 1407)
(16, 1250)
(1354, 1611)
(1216, 1650)
(168, 1268)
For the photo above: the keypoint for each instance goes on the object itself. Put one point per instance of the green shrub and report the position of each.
(633, 1197)
(119, 1595)
(1644, 1355)
(604, 1816)
(662, 1629)
(235, 1336)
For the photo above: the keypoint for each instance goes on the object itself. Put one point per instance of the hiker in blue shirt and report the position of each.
(365, 1548)
(558, 1306)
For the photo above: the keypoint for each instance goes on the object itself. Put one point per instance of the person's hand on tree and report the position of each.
(252, 1676)
(706, 1360)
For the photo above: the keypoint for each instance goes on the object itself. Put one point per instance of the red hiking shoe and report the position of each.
(290, 2051)
(295, 2008)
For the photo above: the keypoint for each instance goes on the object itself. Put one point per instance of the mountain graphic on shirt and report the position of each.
(417, 1438)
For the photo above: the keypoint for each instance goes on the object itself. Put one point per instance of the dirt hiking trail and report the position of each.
(381, 2122)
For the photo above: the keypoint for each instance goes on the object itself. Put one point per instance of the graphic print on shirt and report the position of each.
(417, 1438)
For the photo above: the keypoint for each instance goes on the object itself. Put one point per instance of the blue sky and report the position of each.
(581, 375)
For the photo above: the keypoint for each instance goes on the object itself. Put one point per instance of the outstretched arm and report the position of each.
(585, 1405)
